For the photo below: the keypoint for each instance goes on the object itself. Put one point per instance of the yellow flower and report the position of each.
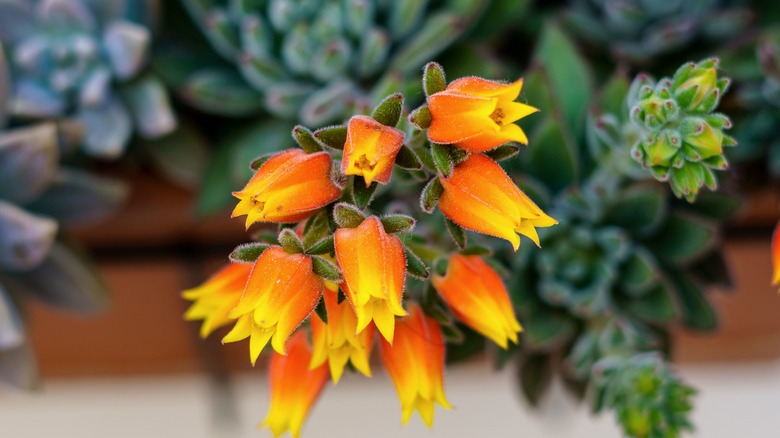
(477, 115)
(480, 196)
(374, 266)
(477, 296)
(215, 298)
(336, 341)
(281, 292)
(415, 362)
(291, 186)
(294, 387)
(370, 149)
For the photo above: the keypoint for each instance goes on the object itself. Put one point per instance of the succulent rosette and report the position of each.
(84, 61)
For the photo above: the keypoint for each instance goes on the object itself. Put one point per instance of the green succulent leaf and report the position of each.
(325, 269)
(415, 265)
(347, 215)
(248, 252)
(571, 79)
(640, 209)
(457, 233)
(697, 312)
(397, 223)
(535, 372)
(388, 112)
(640, 272)
(362, 195)
(434, 79)
(682, 239)
(656, 305)
(333, 137)
(221, 92)
(306, 140)
(431, 194)
(408, 159)
(553, 159)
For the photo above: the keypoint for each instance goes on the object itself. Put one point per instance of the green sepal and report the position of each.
(421, 117)
(434, 79)
(248, 252)
(430, 195)
(305, 139)
(457, 233)
(503, 152)
(290, 241)
(408, 159)
(258, 162)
(397, 223)
(321, 311)
(325, 269)
(323, 246)
(333, 137)
(388, 112)
(317, 227)
(442, 159)
(415, 265)
(361, 194)
(347, 215)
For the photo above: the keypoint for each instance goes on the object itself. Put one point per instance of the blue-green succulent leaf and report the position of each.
(28, 161)
(25, 239)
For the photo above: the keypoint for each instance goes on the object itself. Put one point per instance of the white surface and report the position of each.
(734, 401)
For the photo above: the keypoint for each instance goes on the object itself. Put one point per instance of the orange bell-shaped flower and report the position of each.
(336, 342)
(294, 387)
(215, 298)
(415, 362)
(477, 115)
(281, 292)
(480, 196)
(477, 296)
(289, 187)
(374, 266)
(370, 149)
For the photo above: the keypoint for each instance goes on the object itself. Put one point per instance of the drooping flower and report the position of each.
(374, 265)
(776, 255)
(336, 341)
(480, 196)
(477, 115)
(291, 186)
(281, 292)
(370, 149)
(294, 387)
(215, 298)
(477, 296)
(415, 362)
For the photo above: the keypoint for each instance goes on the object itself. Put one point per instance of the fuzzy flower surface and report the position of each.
(370, 149)
(281, 292)
(480, 196)
(477, 114)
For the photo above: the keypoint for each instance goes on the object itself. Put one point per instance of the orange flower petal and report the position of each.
(370, 149)
(215, 298)
(374, 266)
(477, 296)
(415, 363)
(480, 196)
(281, 292)
(294, 387)
(475, 86)
(276, 191)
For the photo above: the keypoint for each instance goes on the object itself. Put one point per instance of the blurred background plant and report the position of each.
(38, 199)
(84, 61)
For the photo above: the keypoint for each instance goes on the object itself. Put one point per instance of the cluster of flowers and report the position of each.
(349, 268)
